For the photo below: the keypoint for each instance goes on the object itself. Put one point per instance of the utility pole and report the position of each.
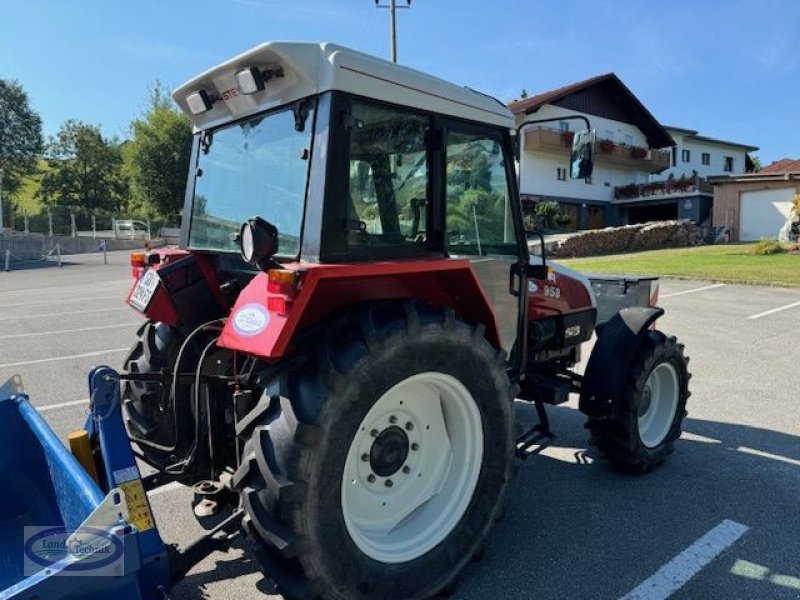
(392, 6)
(1, 197)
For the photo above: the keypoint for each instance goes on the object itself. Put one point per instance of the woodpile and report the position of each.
(631, 238)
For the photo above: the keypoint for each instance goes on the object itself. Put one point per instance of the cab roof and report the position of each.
(313, 68)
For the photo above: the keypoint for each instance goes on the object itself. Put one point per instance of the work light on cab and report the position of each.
(258, 242)
(254, 79)
(199, 102)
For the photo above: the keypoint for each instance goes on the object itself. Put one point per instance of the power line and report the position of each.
(392, 6)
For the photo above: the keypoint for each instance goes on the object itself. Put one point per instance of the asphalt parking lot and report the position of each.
(574, 527)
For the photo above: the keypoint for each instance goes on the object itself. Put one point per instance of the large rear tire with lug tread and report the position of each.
(150, 404)
(146, 402)
(648, 420)
(383, 471)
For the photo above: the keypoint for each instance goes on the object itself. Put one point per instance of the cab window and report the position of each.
(479, 219)
(388, 177)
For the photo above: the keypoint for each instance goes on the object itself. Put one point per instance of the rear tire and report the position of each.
(147, 403)
(150, 404)
(304, 513)
(648, 420)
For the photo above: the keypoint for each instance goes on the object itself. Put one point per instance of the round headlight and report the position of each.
(246, 245)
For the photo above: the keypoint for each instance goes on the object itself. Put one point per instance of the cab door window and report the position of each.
(388, 177)
(479, 218)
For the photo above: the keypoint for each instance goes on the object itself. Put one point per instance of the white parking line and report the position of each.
(63, 314)
(692, 291)
(69, 357)
(39, 333)
(47, 407)
(774, 310)
(63, 301)
(673, 575)
(762, 454)
(62, 289)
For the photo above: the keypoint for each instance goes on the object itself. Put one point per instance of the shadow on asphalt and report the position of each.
(575, 527)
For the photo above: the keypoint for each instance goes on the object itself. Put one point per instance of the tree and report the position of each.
(523, 94)
(85, 169)
(157, 157)
(20, 136)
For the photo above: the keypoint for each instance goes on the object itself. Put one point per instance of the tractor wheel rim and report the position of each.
(427, 477)
(661, 391)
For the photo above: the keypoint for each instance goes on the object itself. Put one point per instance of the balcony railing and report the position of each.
(606, 151)
(682, 185)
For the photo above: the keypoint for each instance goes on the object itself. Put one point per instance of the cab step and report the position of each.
(537, 438)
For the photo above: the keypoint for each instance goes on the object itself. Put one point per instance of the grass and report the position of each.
(733, 263)
(25, 198)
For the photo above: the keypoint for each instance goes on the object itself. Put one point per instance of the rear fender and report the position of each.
(188, 293)
(327, 289)
(604, 379)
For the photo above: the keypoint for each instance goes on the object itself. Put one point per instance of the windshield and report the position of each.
(254, 168)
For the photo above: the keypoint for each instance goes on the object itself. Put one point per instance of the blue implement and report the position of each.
(46, 488)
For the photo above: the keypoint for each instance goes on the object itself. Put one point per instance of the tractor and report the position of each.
(335, 348)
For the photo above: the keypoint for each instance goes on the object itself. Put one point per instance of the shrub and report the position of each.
(766, 247)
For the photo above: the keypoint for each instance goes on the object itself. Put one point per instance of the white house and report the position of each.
(643, 171)
(628, 151)
(706, 156)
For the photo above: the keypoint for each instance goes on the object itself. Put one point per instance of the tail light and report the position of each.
(282, 286)
(138, 259)
(282, 281)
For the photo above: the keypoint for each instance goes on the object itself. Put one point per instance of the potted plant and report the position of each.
(638, 152)
(606, 146)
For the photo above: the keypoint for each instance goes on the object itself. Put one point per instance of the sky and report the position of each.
(728, 68)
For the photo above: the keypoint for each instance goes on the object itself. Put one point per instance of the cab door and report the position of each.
(483, 221)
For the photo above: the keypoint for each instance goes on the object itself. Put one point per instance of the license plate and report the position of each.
(145, 288)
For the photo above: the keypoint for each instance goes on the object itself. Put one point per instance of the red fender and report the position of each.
(161, 307)
(256, 328)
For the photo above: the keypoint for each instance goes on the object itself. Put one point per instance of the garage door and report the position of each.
(763, 213)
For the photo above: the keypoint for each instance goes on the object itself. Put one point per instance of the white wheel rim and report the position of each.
(428, 494)
(660, 401)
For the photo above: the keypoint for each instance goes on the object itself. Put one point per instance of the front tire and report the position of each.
(650, 413)
(382, 473)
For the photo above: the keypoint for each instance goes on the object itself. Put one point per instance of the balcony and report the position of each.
(631, 157)
(606, 151)
(548, 140)
(670, 187)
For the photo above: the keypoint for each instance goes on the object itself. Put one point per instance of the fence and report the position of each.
(31, 248)
(78, 222)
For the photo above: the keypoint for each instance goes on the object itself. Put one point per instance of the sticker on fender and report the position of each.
(144, 290)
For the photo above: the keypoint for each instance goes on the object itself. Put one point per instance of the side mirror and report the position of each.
(258, 242)
(581, 160)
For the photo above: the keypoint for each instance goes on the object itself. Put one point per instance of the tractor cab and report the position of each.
(354, 159)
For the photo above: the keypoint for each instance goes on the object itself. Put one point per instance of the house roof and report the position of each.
(617, 93)
(784, 165)
(694, 134)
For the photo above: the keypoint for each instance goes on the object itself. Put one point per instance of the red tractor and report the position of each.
(338, 343)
